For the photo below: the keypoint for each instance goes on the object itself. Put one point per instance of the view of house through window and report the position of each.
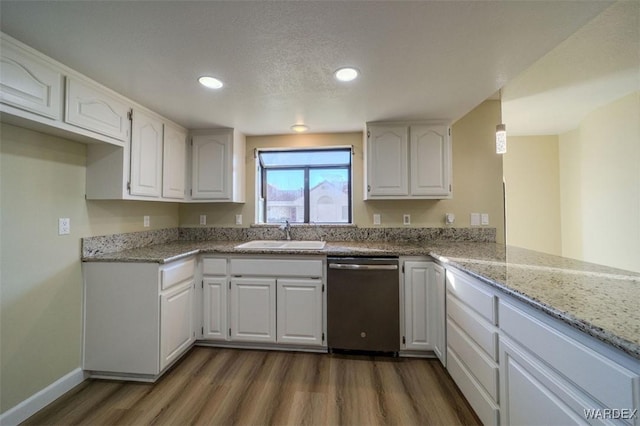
(305, 186)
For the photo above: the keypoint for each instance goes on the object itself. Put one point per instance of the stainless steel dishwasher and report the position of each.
(363, 306)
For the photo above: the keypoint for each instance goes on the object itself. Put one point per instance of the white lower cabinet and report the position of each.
(253, 309)
(529, 368)
(215, 291)
(176, 322)
(264, 300)
(299, 306)
(424, 322)
(472, 339)
(554, 376)
(528, 386)
(214, 319)
(138, 317)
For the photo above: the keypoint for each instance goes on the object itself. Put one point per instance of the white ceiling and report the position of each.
(418, 60)
(593, 67)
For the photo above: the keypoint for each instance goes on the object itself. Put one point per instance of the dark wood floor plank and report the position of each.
(213, 386)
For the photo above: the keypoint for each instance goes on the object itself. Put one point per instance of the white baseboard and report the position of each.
(41, 399)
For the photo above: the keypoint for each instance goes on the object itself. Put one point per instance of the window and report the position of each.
(305, 185)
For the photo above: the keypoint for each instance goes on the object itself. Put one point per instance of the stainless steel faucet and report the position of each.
(286, 227)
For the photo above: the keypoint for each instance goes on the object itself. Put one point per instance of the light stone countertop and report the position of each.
(600, 301)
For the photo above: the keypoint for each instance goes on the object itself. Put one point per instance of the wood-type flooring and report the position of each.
(213, 386)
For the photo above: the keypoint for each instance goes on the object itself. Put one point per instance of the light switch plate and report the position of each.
(64, 226)
(238, 219)
(146, 221)
(376, 219)
(203, 219)
(406, 219)
(475, 219)
(484, 218)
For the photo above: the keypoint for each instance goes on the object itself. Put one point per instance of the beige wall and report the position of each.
(42, 179)
(600, 186)
(570, 182)
(531, 175)
(477, 179)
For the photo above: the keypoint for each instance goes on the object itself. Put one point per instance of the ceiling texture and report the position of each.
(417, 60)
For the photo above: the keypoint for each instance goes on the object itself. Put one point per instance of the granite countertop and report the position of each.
(598, 300)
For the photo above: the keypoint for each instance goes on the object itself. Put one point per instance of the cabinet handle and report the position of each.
(368, 188)
(362, 267)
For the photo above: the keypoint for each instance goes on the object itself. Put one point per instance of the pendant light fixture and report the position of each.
(501, 139)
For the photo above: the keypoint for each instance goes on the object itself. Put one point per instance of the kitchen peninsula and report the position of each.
(505, 322)
(579, 293)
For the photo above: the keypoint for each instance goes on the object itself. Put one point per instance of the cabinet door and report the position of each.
(176, 322)
(146, 155)
(253, 309)
(174, 162)
(215, 308)
(212, 167)
(29, 83)
(92, 108)
(387, 161)
(438, 313)
(430, 160)
(418, 295)
(299, 315)
(532, 394)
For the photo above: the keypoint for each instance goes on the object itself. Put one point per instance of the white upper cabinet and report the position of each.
(407, 161)
(91, 107)
(29, 82)
(387, 160)
(146, 155)
(217, 166)
(174, 162)
(430, 170)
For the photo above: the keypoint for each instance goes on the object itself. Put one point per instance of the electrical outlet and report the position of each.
(475, 219)
(449, 218)
(406, 219)
(376, 219)
(238, 219)
(64, 226)
(203, 219)
(484, 218)
(145, 221)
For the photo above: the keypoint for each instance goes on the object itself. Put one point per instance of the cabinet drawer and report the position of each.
(485, 408)
(277, 267)
(483, 368)
(483, 334)
(479, 299)
(608, 382)
(214, 266)
(176, 273)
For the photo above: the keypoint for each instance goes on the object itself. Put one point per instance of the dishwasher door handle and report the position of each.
(355, 266)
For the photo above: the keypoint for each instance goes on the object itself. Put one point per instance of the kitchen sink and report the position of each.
(282, 245)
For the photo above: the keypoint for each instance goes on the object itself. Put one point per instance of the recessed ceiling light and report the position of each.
(299, 128)
(346, 74)
(210, 82)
